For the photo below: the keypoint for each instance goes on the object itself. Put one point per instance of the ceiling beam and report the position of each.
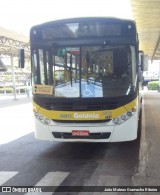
(2, 66)
(156, 49)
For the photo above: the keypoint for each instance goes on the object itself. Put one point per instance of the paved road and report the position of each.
(16, 118)
(29, 162)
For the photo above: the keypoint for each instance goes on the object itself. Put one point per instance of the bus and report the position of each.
(86, 80)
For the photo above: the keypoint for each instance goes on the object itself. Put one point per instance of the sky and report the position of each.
(21, 15)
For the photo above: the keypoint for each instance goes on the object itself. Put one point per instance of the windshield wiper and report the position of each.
(70, 69)
(98, 53)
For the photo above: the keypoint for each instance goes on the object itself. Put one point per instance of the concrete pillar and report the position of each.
(13, 79)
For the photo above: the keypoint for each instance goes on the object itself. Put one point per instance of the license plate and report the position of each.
(80, 133)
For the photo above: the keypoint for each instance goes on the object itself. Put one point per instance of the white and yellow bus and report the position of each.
(86, 80)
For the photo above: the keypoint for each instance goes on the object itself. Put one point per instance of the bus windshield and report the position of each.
(85, 71)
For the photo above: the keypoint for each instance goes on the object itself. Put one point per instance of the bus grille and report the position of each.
(80, 106)
(81, 121)
(61, 135)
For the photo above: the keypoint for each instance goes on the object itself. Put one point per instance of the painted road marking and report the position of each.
(6, 175)
(51, 179)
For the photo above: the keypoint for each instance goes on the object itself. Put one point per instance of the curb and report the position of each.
(140, 178)
(143, 151)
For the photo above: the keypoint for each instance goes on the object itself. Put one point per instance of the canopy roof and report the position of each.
(10, 42)
(146, 14)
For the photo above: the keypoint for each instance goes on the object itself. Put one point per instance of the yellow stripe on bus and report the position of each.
(85, 115)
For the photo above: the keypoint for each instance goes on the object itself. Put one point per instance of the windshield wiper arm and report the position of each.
(101, 49)
(70, 69)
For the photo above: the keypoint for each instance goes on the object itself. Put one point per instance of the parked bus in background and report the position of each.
(86, 80)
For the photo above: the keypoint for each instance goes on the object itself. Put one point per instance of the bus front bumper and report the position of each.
(101, 132)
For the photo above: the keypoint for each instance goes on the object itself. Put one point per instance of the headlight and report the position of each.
(47, 121)
(42, 119)
(129, 114)
(124, 117)
(116, 121)
(36, 114)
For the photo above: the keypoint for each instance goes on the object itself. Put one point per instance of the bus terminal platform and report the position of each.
(8, 100)
(149, 153)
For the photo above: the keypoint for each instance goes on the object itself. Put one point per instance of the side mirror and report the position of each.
(21, 58)
(141, 65)
(141, 60)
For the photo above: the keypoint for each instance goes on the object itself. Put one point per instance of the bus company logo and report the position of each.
(86, 115)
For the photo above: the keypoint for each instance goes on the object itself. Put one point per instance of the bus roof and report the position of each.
(85, 28)
(84, 19)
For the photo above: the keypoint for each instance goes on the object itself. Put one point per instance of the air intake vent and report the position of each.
(59, 135)
(82, 121)
(82, 106)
